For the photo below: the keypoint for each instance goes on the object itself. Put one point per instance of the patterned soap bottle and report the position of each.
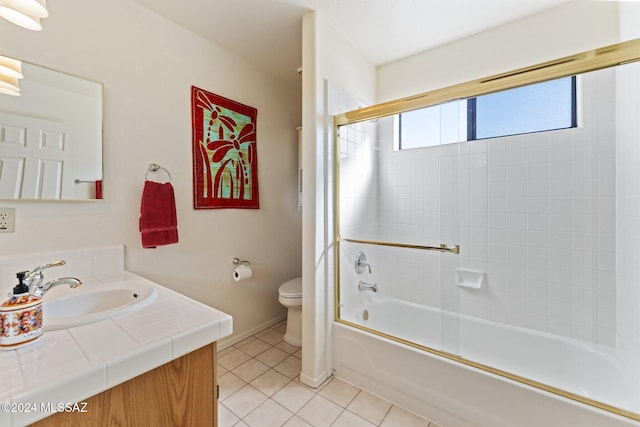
(20, 317)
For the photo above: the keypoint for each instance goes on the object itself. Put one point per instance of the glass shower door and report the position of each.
(397, 251)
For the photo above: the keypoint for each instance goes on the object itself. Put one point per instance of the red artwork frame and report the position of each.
(225, 156)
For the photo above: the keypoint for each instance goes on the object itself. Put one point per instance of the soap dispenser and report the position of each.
(21, 317)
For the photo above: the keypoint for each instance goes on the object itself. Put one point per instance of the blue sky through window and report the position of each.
(534, 108)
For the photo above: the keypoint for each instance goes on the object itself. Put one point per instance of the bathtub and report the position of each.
(457, 394)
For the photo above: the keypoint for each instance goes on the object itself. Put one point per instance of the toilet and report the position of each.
(290, 295)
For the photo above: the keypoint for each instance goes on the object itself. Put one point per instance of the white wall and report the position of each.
(564, 30)
(329, 65)
(147, 65)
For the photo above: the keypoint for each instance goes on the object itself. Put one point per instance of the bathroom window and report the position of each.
(539, 107)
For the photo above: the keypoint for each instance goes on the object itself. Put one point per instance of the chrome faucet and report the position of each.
(43, 289)
(364, 286)
(33, 279)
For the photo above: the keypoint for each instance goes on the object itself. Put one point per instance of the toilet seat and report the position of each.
(291, 289)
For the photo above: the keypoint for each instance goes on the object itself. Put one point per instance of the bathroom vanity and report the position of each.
(180, 393)
(154, 364)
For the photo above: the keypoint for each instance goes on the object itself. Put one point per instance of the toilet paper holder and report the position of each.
(242, 271)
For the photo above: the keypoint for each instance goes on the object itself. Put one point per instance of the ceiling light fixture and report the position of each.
(10, 92)
(25, 13)
(9, 85)
(36, 8)
(10, 67)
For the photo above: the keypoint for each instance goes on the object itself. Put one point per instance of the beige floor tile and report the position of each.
(280, 327)
(233, 359)
(314, 390)
(272, 337)
(289, 367)
(272, 357)
(269, 414)
(320, 412)
(293, 396)
(349, 419)
(229, 384)
(245, 400)
(400, 417)
(244, 341)
(296, 422)
(226, 417)
(260, 386)
(221, 370)
(255, 347)
(285, 346)
(250, 370)
(225, 351)
(339, 392)
(270, 382)
(370, 407)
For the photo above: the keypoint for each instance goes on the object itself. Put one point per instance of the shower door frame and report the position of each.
(591, 60)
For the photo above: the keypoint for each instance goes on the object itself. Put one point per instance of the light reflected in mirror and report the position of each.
(51, 138)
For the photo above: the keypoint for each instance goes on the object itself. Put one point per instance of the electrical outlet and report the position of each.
(7, 220)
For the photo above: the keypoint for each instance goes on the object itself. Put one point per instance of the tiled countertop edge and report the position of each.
(97, 374)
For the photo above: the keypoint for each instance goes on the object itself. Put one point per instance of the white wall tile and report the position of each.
(537, 212)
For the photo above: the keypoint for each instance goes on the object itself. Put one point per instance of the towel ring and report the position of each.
(153, 167)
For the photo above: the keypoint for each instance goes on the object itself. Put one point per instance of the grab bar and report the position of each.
(441, 248)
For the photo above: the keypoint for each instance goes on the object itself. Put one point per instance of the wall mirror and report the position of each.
(51, 137)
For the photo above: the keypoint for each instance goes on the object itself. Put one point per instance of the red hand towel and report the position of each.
(158, 220)
(99, 189)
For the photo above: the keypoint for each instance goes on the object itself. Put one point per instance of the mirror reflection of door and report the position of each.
(51, 137)
(35, 159)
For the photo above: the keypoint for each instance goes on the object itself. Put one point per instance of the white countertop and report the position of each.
(68, 366)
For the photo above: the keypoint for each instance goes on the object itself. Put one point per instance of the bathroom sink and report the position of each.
(87, 304)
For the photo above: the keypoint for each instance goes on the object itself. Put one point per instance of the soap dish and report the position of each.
(467, 278)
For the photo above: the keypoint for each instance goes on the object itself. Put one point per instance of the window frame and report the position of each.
(472, 116)
(472, 119)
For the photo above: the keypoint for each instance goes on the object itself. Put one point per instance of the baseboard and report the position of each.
(314, 382)
(233, 339)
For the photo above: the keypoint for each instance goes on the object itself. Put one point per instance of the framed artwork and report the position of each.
(225, 158)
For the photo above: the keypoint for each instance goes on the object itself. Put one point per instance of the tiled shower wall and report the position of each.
(628, 211)
(535, 212)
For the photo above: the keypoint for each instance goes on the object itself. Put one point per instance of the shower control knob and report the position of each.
(361, 263)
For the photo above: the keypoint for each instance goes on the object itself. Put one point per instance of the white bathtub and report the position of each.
(456, 395)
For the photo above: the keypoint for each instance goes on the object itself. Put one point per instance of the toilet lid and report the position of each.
(291, 288)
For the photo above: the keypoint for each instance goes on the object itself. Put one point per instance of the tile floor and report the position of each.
(259, 387)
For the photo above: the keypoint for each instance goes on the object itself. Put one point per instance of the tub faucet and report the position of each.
(33, 279)
(364, 286)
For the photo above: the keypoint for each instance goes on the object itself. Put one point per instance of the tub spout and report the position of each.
(364, 286)
(43, 289)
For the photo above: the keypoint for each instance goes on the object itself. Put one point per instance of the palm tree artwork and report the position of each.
(224, 152)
